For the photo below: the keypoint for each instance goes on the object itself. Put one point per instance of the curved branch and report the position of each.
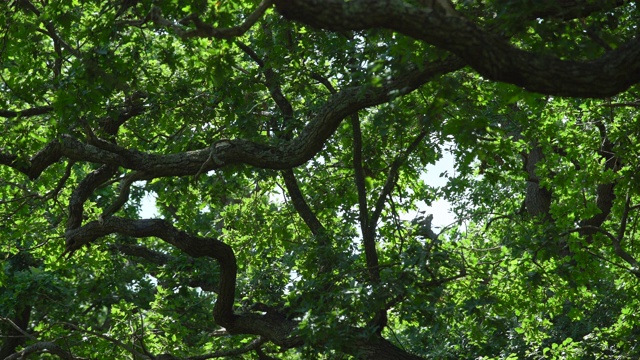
(273, 326)
(190, 244)
(489, 54)
(291, 153)
(82, 192)
(42, 347)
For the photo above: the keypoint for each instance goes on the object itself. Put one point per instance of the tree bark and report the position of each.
(491, 55)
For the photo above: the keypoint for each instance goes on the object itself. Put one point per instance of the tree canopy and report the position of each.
(242, 179)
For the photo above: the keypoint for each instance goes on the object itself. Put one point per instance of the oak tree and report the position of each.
(205, 179)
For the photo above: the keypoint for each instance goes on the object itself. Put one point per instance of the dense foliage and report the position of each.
(200, 179)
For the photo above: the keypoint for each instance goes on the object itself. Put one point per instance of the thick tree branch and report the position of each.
(368, 232)
(289, 154)
(273, 326)
(565, 10)
(82, 192)
(40, 110)
(42, 347)
(191, 245)
(489, 54)
(605, 193)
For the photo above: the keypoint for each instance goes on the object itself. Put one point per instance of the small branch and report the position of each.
(399, 229)
(591, 33)
(207, 31)
(51, 31)
(427, 285)
(324, 81)
(496, 218)
(275, 90)
(624, 219)
(155, 257)
(116, 342)
(392, 177)
(61, 182)
(618, 250)
(253, 345)
(133, 106)
(18, 328)
(297, 198)
(607, 260)
(300, 204)
(368, 232)
(249, 51)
